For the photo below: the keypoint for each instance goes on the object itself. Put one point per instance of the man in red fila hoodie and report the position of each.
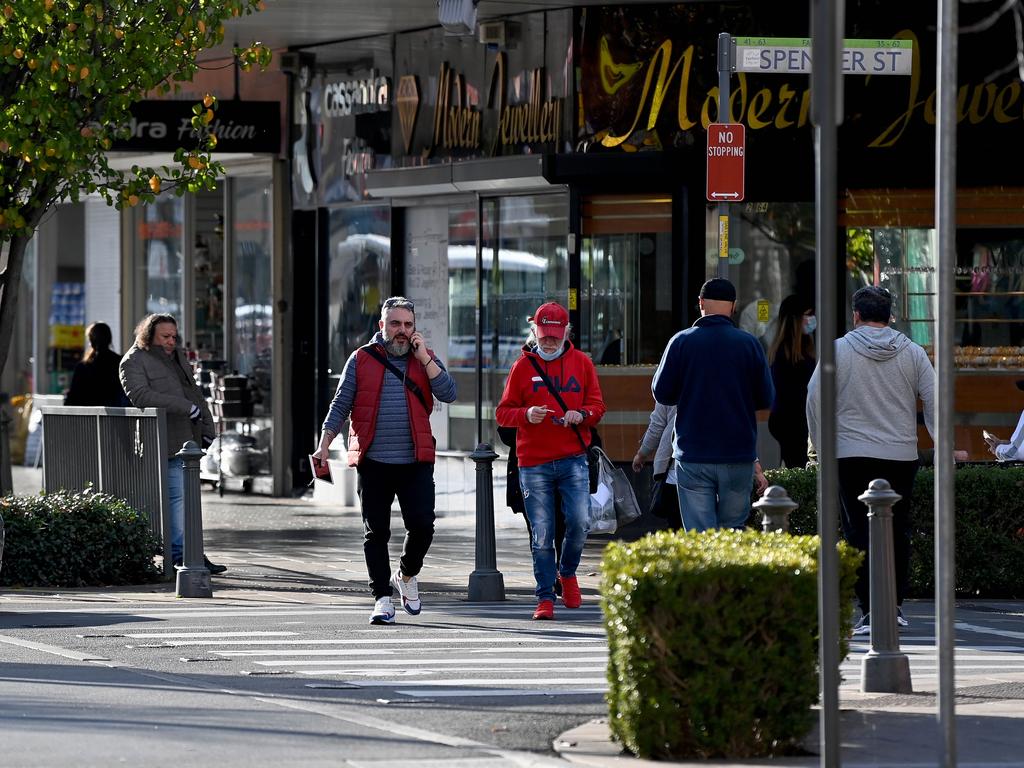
(552, 397)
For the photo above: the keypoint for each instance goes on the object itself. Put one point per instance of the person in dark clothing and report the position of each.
(95, 380)
(792, 359)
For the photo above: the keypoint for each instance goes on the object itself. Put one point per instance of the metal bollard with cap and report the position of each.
(884, 669)
(193, 579)
(486, 584)
(775, 506)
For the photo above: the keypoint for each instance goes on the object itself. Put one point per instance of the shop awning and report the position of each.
(499, 174)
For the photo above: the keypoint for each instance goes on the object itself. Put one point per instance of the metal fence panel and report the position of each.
(119, 451)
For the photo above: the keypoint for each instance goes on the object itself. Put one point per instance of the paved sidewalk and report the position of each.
(281, 545)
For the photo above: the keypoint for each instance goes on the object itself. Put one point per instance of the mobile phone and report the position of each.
(321, 469)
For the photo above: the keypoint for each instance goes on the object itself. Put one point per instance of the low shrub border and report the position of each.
(989, 513)
(712, 641)
(75, 539)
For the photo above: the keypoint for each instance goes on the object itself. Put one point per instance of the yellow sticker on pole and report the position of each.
(764, 313)
(572, 299)
(723, 237)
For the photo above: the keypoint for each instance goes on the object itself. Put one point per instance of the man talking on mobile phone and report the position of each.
(387, 389)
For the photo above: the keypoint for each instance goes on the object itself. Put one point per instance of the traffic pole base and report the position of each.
(193, 582)
(885, 672)
(486, 586)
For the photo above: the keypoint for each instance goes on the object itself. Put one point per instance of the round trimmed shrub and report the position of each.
(75, 539)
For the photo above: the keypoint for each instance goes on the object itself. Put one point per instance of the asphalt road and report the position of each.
(102, 679)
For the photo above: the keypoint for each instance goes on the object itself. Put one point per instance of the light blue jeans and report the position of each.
(714, 495)
(570, 479)
(176, 497)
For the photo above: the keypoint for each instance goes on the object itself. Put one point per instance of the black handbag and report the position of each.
(593, 459)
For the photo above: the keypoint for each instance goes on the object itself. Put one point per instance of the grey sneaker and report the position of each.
(863, 627)
(409, 591)
(383, 611)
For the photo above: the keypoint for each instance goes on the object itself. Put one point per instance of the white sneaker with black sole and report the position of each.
(383, 611)
(409, 591)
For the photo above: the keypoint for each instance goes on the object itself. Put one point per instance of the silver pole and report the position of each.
(724, 116)
(945, 224)
(826, 45)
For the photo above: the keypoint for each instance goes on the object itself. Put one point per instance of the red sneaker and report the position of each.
(545, 610)
(571, 597)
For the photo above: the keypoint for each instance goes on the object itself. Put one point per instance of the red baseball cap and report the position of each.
(551, 319)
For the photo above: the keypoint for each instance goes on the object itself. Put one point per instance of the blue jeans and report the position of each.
(570, 479)
(714, 495)
(176, 497)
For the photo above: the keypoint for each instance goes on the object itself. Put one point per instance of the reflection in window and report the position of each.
(771, 255)
(626, 285)
(359, 278)
(253, 312)
(160, 268)
(989, 293)
(525, 263)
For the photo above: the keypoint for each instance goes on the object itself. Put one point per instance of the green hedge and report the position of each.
(75, 539)
(989, 513)
(712, 641)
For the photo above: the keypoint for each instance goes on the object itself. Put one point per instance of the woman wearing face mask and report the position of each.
(792, 358)
(552, 397)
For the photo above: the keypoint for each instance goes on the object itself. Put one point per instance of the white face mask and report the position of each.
(810, 324)
(549, 356)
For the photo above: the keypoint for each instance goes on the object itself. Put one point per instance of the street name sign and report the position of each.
(792, 55)
(726, 162)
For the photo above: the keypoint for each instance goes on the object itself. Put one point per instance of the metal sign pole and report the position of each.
(724, 116)
(945, 224)
(826, 46)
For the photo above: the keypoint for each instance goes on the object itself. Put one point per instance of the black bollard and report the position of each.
(193, 578)
(486, 583)
(775, 506)
(884, 669)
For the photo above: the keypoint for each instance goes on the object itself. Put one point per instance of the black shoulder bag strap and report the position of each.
(556, 395)
(413, 387)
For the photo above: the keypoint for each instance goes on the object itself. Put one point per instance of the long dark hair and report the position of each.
(790, 340)
(147, 327)
(100, 339)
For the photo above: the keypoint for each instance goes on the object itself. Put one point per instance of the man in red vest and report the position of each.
(387, 390)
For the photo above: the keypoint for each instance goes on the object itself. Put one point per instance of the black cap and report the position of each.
(718, 289)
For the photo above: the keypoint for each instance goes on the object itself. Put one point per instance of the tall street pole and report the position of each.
(945, 224)
(826, 46)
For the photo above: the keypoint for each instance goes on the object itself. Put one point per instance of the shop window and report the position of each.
(626, 291)
(359, 279)
(525, 263)
(989, 292)
(159, 240)
(770, 255)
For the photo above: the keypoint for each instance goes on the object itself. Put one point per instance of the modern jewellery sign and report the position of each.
(792, 55)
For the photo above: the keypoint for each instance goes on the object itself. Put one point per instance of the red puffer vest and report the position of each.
(369, 383)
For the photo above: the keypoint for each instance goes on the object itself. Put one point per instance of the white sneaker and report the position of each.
(901, 620)
(383, 611)
(409, 592)
(863, 627)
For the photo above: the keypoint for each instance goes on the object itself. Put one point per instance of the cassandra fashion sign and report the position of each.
(240, 126)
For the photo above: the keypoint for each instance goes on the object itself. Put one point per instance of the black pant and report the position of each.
(855, 474)
(791, 435)
(377, 487)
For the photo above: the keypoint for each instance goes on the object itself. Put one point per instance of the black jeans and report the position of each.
(855, 474)
(377, 487)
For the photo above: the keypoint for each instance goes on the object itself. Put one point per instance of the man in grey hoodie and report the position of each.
(880, 374)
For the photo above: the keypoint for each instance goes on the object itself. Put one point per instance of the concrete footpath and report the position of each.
(298, 545)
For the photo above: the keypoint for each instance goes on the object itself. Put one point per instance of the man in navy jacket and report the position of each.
(718, 378)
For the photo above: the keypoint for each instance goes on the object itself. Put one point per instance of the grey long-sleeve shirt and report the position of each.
(880, 374)
(392, 439)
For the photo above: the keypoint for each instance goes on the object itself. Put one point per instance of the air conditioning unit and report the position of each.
(458, 17)
(493, 33)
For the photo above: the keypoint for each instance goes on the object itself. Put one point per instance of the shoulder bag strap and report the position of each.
(413, 387)
(558, 398)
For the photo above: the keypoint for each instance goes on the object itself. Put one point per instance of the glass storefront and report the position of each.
(159, 268)
(359, 279)
(524, 263)
(771, 255)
